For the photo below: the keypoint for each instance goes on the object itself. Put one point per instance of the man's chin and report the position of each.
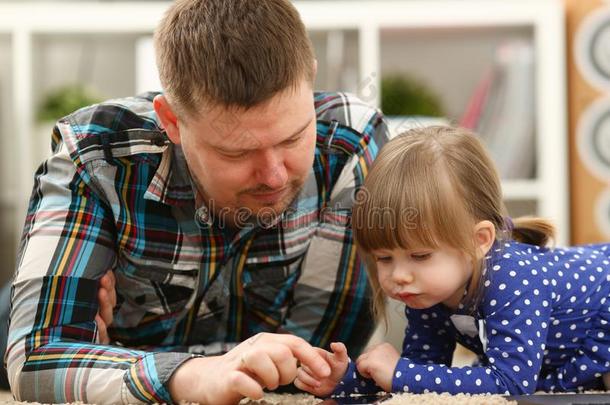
(269, 209)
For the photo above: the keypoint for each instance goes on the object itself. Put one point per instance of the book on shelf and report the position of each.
(502, 110)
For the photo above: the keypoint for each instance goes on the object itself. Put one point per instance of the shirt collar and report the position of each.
(171, 183)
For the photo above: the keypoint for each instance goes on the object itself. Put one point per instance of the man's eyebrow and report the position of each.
(294, 135)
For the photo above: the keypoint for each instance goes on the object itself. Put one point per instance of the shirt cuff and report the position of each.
(147, 378)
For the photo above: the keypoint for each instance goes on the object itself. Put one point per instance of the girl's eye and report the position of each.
(421, 256)
(383, 259)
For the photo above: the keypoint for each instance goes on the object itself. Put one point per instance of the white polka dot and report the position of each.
(437, 380)
(478, 382)
(417, 377)
(516, 368)
(502, 286)
(458, 382)
(398, 374)
(512, 273)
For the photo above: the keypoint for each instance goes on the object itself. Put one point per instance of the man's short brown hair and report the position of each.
(231, 53)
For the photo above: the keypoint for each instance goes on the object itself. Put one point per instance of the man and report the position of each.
(222, 207)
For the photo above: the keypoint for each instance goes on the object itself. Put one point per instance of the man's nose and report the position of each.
(271, 169)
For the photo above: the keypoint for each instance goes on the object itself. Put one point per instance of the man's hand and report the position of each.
(338, 361)
(378, 363)
(263, 361)
(106, 297)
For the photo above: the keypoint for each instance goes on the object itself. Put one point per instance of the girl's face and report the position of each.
(424, 277)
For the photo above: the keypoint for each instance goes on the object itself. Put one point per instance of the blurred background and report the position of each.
(531, 76)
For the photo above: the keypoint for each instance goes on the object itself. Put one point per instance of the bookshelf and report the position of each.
(355, 41)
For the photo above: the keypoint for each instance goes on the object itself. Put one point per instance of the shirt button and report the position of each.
(202, 216)
(159, 141)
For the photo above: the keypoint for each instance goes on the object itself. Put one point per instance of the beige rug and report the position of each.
(287, 399)
(303, 399)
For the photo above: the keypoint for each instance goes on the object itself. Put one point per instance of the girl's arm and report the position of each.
(516, 316)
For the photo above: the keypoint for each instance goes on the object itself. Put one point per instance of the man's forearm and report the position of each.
(70, 371)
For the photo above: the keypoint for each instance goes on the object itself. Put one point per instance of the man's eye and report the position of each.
(234, 155)
(291, 141)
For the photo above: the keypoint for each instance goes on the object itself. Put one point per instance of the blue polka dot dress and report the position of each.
(542, 323)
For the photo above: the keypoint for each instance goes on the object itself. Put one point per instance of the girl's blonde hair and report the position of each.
(430, 186)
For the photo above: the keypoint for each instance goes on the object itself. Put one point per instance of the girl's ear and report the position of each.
(168, 119)
(484, 236)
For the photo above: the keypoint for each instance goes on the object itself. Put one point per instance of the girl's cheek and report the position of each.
(386, 286)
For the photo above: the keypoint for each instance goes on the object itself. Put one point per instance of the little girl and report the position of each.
(432, 226)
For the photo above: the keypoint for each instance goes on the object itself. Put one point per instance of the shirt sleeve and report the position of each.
(579, 373)
(515, 312)
(355, 383)
(53, 352)
(332, 296)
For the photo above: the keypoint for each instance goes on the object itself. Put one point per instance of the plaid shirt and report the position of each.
(116, 194)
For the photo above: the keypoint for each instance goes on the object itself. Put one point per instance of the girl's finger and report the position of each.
(339, 351)
(307, 378)
(304, 387)
(362, 365)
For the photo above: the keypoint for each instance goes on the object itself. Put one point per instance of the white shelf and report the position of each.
(370, 19)
(515, 190)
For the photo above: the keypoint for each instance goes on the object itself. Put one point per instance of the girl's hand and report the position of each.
(379, 363)
(337, 360)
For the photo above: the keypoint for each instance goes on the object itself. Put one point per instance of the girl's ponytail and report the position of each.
(532, 230)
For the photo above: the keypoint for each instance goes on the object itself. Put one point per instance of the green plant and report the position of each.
(404, 95)
(65, 100)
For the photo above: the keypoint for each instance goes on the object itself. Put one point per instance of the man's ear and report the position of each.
(168, 119)
(484, 236)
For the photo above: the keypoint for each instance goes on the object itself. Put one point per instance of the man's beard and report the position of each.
(239, 214)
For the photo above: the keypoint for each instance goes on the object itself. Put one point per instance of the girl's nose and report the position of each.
(402, 275)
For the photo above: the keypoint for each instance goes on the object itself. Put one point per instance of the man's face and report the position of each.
(255, 159)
